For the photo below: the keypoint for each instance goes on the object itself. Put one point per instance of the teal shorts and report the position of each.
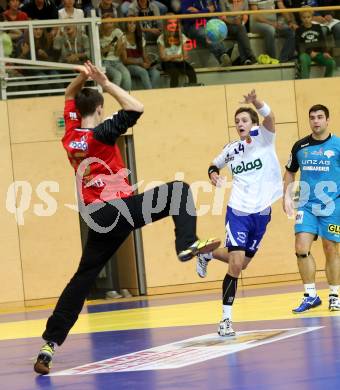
(326, 226)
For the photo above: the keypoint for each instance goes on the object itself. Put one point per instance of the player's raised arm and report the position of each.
(77, 83)
(127, 102)
(263, 109)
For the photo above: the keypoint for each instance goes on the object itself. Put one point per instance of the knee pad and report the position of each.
(302, 255)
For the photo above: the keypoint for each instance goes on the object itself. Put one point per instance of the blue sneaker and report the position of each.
(307, 303)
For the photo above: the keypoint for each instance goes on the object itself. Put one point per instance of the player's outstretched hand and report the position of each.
(95, 73)
(251, 97)
(82, 70)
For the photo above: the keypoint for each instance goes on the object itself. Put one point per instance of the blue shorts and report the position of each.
(245, 231)
(327, 226)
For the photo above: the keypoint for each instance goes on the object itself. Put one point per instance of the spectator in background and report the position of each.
(172, 54)
(163, 9)
(108, 8)
(73, 45)
(6, 40)
(44, 51)
(311, 46)
(151, 28)
(111, 46)
(14, 14)
(329, 23)
(237, 29)
(69, 12)
(270, 25)
(135, 57)
(41, 9)
(195, 29)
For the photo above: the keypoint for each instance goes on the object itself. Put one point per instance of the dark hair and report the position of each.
(87, 101)
(252, 113)
(138, 36)
(177, 36)
(319, 107)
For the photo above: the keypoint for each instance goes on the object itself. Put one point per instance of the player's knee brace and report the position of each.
(301, 256)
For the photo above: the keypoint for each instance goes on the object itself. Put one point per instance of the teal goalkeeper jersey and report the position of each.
(319, 163)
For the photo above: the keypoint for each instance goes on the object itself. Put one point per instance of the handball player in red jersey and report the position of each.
(106, 199)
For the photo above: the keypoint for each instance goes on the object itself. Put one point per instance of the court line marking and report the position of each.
(186, 352)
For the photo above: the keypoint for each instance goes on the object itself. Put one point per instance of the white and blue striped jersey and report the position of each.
(257, 180)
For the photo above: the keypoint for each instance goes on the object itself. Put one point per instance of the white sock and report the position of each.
(227, 312)
(310, 289)
(334, 290)
(208, 256)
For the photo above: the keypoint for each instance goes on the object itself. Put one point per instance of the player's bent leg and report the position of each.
(173, 199)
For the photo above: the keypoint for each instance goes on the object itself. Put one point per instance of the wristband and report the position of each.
(212, 169)
(264, 110)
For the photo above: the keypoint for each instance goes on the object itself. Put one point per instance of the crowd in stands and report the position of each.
(124, 46)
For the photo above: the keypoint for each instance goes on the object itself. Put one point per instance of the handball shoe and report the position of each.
(307, 303)
(225, 328)
(202, 264)
(198, 247)
(44, 360)
(334, 303)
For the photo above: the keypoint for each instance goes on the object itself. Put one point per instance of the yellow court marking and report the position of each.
(258, 308)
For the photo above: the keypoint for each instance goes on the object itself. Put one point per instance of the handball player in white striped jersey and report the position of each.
(256, 185)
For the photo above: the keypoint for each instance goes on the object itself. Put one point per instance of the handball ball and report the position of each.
(216, 30)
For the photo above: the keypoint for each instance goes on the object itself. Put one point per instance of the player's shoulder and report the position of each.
(335, 139)
(302, 143)
(230, 145)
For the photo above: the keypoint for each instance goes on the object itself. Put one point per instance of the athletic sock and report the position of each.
(227, 312)
(333, 291)
(229, 292)
(310, 290)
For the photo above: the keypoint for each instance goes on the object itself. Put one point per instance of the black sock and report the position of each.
(229, 289)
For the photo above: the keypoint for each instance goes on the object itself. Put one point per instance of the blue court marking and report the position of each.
(307, 361)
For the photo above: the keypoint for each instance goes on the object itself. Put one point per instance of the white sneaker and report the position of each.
(125, 293)
(225, 60)
(113, 294)
(334, 304)
(225, 328)
(202, 264)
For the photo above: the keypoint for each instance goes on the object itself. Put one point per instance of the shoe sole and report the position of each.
(206, 249)
(312, 307)
(41, 368)
(227, 335)
(334, 309)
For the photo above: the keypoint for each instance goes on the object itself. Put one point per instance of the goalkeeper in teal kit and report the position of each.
(318, 213)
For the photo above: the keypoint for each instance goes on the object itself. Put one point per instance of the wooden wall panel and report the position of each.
(50, 245)
(180, 131)
(279, 95)
(324, 91)
(34, 119)
(11, 287)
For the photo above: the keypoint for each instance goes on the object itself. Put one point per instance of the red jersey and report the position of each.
(20, 16)
(97, 181)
